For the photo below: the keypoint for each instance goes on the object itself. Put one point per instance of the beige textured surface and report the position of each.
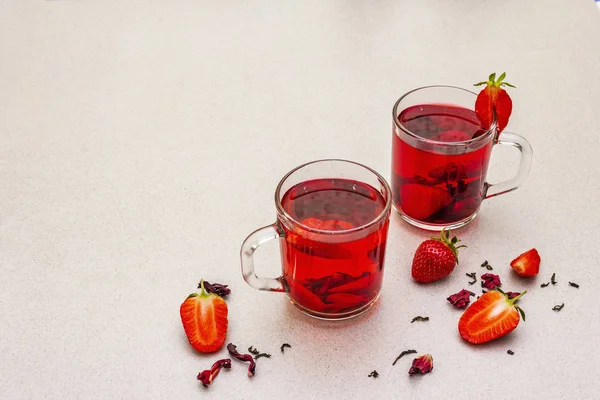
(141, 141)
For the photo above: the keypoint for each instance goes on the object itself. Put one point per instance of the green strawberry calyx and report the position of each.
(203, 292)
(496, 83)
(451, 243)
(514, 300)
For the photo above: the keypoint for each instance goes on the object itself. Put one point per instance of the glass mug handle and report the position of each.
(252, 242)
(512, 139)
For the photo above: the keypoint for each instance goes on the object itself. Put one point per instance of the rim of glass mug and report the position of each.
(382, 215)
(490, 132)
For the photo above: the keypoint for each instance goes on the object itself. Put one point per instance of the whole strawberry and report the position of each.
(435, 258)
(493, 101)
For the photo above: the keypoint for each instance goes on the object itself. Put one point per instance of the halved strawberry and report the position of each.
(492, 316)
(493, 100)
(204, 318)
(420, 201)
(527, 264)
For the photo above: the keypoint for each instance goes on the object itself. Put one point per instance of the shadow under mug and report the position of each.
(332, 224)
(440, 158)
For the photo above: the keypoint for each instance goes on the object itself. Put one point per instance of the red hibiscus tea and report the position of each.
(333, 259)
(438, 170)
(332, 223)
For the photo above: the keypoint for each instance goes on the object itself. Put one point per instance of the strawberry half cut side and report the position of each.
(204, 318)
(492, 316)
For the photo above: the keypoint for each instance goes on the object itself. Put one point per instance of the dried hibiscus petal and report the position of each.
(460, 299)
(216, 288)
(208, 375)
(512, 295)
(490, 281)
(232, 349)
(421, 365)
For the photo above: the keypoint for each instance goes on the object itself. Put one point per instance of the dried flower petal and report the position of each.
(490, 281)
(460, 299)
(512, 295)
(216, 288)
(232, 349)
(208, 375)
(422, 365)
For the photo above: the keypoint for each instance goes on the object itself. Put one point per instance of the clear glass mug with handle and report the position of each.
(332, 223)
(440, 158)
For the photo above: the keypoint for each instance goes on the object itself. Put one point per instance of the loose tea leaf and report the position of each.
(553, 278)
(207, 376)
(558, 307)
(216, 288)
(574, 284)
(259, 355)
(545, 284)
(487, 266)
(232, 349)
(283, 346)
(421, 365)
(252, 350)
(419, 318)
(374, 374)
(473, 276)
(511, 352)
(405, 352)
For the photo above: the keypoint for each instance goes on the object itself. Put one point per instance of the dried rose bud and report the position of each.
(490, 281)
(216, 288)
(460, 299)
(422, 365)
(512, 295)
(208, 375)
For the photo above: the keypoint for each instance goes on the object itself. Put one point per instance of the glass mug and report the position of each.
(440, 157)
(332, 224)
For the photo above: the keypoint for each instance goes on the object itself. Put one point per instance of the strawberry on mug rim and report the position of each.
(492, 101)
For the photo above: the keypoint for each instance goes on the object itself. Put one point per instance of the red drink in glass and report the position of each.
(333, 273)
(332, 223)
(433, 182)
(440, 157)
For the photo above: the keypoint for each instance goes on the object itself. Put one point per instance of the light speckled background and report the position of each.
(141, 141)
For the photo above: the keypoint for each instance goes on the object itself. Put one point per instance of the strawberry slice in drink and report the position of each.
(421, 202)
